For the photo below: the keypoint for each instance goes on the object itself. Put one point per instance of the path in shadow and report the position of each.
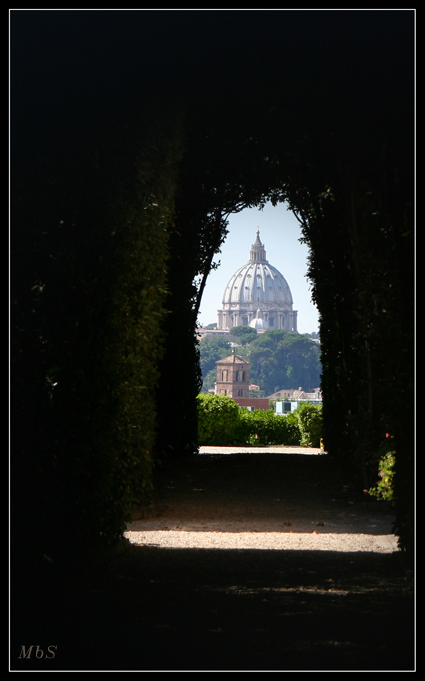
(148, 608)
(264, 492)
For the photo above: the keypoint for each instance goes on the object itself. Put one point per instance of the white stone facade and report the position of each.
(257, 290)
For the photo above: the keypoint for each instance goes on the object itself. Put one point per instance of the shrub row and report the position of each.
(222, 422)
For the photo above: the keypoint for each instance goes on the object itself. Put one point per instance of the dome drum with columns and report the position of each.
(257, 295)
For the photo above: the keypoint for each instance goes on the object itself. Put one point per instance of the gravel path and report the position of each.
(249, 498)
(315, 451)
(214, 539)
(207, 582)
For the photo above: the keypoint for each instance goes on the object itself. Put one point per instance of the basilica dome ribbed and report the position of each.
(257, 285)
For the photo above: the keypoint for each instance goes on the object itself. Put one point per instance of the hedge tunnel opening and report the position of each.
(115, 212)
(134, 135)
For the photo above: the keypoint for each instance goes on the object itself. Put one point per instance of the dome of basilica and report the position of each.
(257, 290)
(258, 322)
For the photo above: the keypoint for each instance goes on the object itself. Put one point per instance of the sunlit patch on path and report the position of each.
(241, 498)
(277, 541)
(315, 451)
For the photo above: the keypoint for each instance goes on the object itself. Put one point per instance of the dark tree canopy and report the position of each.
(279, 359)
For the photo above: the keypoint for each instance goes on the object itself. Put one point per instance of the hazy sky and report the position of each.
(280, 233)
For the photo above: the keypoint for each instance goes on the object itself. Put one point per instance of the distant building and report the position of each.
(203, 332)
(232, 376)
(293, 394)
(257, 295)
(233, 381)
(287, 400)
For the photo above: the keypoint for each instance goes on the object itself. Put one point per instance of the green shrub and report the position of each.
(384, 488)
(218, 419)
(222, 422)
(265, 428)
(309, 418)
(287, 429)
